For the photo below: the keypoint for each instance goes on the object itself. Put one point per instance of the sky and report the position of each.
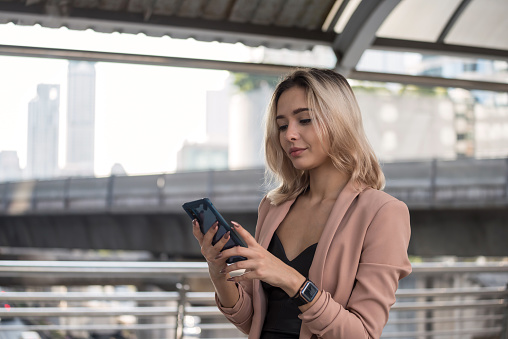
(143, 113)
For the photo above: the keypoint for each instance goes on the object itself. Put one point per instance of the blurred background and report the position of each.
(113, 113)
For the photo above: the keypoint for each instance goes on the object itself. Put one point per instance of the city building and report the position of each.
(212, 154)
(202, 157)
(43, 129)
(80, 119)
(478, 115)
(9, 166)
(247, 128)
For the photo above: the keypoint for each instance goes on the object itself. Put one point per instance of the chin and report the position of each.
(301, 167)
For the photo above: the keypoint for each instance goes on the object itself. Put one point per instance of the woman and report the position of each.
(330, 247)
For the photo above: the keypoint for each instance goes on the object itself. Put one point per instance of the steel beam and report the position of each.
(400, 45)
(360, 32)
(430, 81)
(56, 53)
(256, 68)
(455, 16)
(336, 16)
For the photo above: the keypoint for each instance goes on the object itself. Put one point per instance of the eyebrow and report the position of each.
(296, 111)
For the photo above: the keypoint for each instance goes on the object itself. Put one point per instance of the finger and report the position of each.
(238, 251)
(249, 239)
(239, 265)
(222, 242)
(208, 237)
(196, 230)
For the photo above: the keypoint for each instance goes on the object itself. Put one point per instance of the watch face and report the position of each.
(309, 291)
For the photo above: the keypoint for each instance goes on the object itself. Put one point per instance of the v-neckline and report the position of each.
(284, 251)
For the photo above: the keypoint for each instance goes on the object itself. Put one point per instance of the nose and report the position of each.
(292, 132)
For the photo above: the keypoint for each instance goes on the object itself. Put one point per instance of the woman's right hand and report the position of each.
(212, 253)
(227, 291)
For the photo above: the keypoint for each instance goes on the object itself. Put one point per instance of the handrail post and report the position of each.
(33, 198)
(161, 182)
(66, 196)
(429, 314)
(109, 192)
(504, 334)
(180, 318)
(433, 183)
(5, 192)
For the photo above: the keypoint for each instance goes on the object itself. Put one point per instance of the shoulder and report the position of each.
(385, 213)
(374, 205)
(376, 200)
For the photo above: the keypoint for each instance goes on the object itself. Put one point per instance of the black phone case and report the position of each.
(192, 208)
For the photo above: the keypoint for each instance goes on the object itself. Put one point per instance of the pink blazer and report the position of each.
(359, 260)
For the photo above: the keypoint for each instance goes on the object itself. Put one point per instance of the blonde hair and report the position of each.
(338, 121)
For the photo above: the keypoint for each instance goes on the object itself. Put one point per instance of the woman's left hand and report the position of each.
(262, 265)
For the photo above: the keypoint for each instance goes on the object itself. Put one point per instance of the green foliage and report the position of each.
(371, 89)
(246, 82)
(415, 259)
(404, 90)
(423, 91)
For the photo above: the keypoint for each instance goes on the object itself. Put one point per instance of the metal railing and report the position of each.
(429, 312)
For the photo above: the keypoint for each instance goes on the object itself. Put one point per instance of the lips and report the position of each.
(296, 151)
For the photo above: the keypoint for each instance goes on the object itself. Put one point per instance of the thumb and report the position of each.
(246, 236)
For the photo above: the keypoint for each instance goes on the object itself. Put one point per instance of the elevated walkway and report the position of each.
(457, 207)
(437, 184)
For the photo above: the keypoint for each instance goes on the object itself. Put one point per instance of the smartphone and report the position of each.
(205, 212)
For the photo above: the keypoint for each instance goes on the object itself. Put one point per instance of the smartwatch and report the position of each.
(306, 293)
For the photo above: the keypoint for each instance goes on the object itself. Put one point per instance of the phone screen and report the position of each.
(206, 219)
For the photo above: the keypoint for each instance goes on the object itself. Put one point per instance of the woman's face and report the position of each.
(297, 133)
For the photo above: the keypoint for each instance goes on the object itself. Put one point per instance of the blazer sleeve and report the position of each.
(241, 313)
(383, 263)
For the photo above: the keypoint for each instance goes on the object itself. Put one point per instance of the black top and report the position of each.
(281, 319)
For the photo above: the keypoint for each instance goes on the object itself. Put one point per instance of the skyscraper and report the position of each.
(213, 154)
(80, 118)
(43, 125)
(246, 127)
(9, 166)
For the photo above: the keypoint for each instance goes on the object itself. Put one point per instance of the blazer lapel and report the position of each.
(273, 219)
(346, 197)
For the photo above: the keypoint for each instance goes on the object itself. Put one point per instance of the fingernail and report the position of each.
(219, 256)
(222, 271)
(230, 279)
(237, 225)
(226, 236)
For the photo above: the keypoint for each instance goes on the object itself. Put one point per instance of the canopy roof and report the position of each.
(473, 28)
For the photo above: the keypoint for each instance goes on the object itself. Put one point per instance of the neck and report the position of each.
(326, 182)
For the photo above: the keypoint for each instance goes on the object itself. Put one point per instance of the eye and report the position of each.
(305, 121)
(283, 128)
